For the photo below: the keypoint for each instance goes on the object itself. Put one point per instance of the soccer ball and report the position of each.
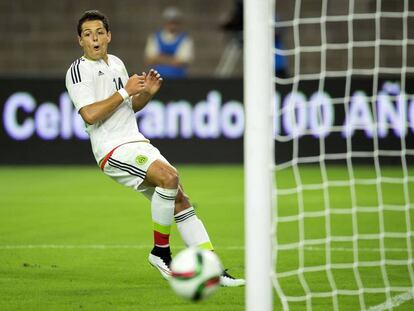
(195, 273)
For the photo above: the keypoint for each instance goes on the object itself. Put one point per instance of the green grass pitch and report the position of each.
(72, 239)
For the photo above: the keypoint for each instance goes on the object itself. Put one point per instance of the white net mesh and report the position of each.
(344, 129)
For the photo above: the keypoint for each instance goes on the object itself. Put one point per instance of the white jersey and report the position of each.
(89, 81)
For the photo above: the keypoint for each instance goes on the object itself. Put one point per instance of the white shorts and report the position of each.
(129, 163)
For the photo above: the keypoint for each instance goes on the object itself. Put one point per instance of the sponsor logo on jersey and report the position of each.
(100, 73)
(141, 159)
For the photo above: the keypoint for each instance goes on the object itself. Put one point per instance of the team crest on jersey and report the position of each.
(141, 159)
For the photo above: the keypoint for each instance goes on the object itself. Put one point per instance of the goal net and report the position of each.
(344, 144)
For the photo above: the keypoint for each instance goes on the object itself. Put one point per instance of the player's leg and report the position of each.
(193, 232)
(190, 227)
(134, 164)
(161, 174)
(164, 178)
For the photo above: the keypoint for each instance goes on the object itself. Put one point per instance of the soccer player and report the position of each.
(107, 99)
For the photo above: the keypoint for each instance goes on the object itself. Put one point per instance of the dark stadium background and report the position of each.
(39, 43)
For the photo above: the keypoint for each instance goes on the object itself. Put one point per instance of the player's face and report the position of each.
(94, 40)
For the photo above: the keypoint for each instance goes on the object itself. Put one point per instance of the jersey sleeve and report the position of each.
(124, 74)
(79, 83)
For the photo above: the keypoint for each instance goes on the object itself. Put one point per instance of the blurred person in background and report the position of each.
(170, 50)
(233, 23)
(280, 61)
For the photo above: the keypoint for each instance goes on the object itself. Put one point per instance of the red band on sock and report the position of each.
(161, 239)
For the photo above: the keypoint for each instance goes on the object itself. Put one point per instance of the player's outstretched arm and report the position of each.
(103, 109)
(153, 83)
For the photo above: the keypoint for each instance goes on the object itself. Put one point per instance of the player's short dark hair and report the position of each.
(92, 15)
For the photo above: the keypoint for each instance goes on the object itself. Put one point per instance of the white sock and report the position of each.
(192, 229)
(162, 211)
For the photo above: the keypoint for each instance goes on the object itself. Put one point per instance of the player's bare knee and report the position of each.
(182, 198)
(169, 179)
(182, 201)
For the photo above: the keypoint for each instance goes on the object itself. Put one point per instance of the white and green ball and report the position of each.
(195, 273)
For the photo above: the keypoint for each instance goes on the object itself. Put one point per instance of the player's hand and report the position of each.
(135, 84)
(153, 81)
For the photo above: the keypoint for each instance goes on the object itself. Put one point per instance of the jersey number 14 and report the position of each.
(118, 84)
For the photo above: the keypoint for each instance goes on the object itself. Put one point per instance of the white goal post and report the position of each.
(328, 154)
(258, 151)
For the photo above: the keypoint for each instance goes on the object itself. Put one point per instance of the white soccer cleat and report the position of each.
(161, 265)
(226, 280)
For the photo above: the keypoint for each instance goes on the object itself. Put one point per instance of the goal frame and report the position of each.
(258, 151)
